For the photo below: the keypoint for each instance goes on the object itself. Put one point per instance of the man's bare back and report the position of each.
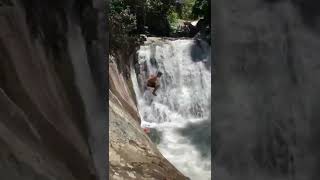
(153, 82)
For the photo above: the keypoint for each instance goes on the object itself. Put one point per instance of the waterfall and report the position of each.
(181, 110)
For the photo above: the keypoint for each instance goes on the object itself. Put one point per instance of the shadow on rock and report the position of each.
(154, 135)
(200, 136)
(200, 52)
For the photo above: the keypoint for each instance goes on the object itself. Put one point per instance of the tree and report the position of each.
(201, 8)
(122, 23)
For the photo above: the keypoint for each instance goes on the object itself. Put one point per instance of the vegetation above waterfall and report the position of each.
(129, 18)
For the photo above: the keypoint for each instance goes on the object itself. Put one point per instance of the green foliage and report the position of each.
(124, 18)
(122, 23)
(186, 12)
(173, 18)
(201, 8)
(128, 17)
(159, 6)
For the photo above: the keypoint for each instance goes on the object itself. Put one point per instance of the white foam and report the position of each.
(183, 98)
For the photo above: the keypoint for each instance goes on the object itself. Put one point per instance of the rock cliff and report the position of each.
(52, 83)
(266, 90)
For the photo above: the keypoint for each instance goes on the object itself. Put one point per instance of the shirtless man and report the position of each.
(153, 82)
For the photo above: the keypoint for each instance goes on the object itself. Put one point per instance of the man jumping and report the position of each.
(153, 82)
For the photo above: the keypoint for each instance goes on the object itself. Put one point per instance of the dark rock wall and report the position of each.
(266, 89)
(52, 90)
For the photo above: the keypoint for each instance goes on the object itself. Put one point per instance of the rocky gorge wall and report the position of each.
(52, 90)
(266, 90)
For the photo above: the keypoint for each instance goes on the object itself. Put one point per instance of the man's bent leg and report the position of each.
(155, 89)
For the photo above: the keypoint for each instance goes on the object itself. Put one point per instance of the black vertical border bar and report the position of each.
(213, 15)
(106, 65)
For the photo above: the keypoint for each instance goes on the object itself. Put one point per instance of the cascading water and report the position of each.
(181, 109)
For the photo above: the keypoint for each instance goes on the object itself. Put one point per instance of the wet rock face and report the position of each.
(51, 85)
(122, 95)
(265, 95)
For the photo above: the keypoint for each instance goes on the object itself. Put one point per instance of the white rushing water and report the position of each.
(181, 111)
